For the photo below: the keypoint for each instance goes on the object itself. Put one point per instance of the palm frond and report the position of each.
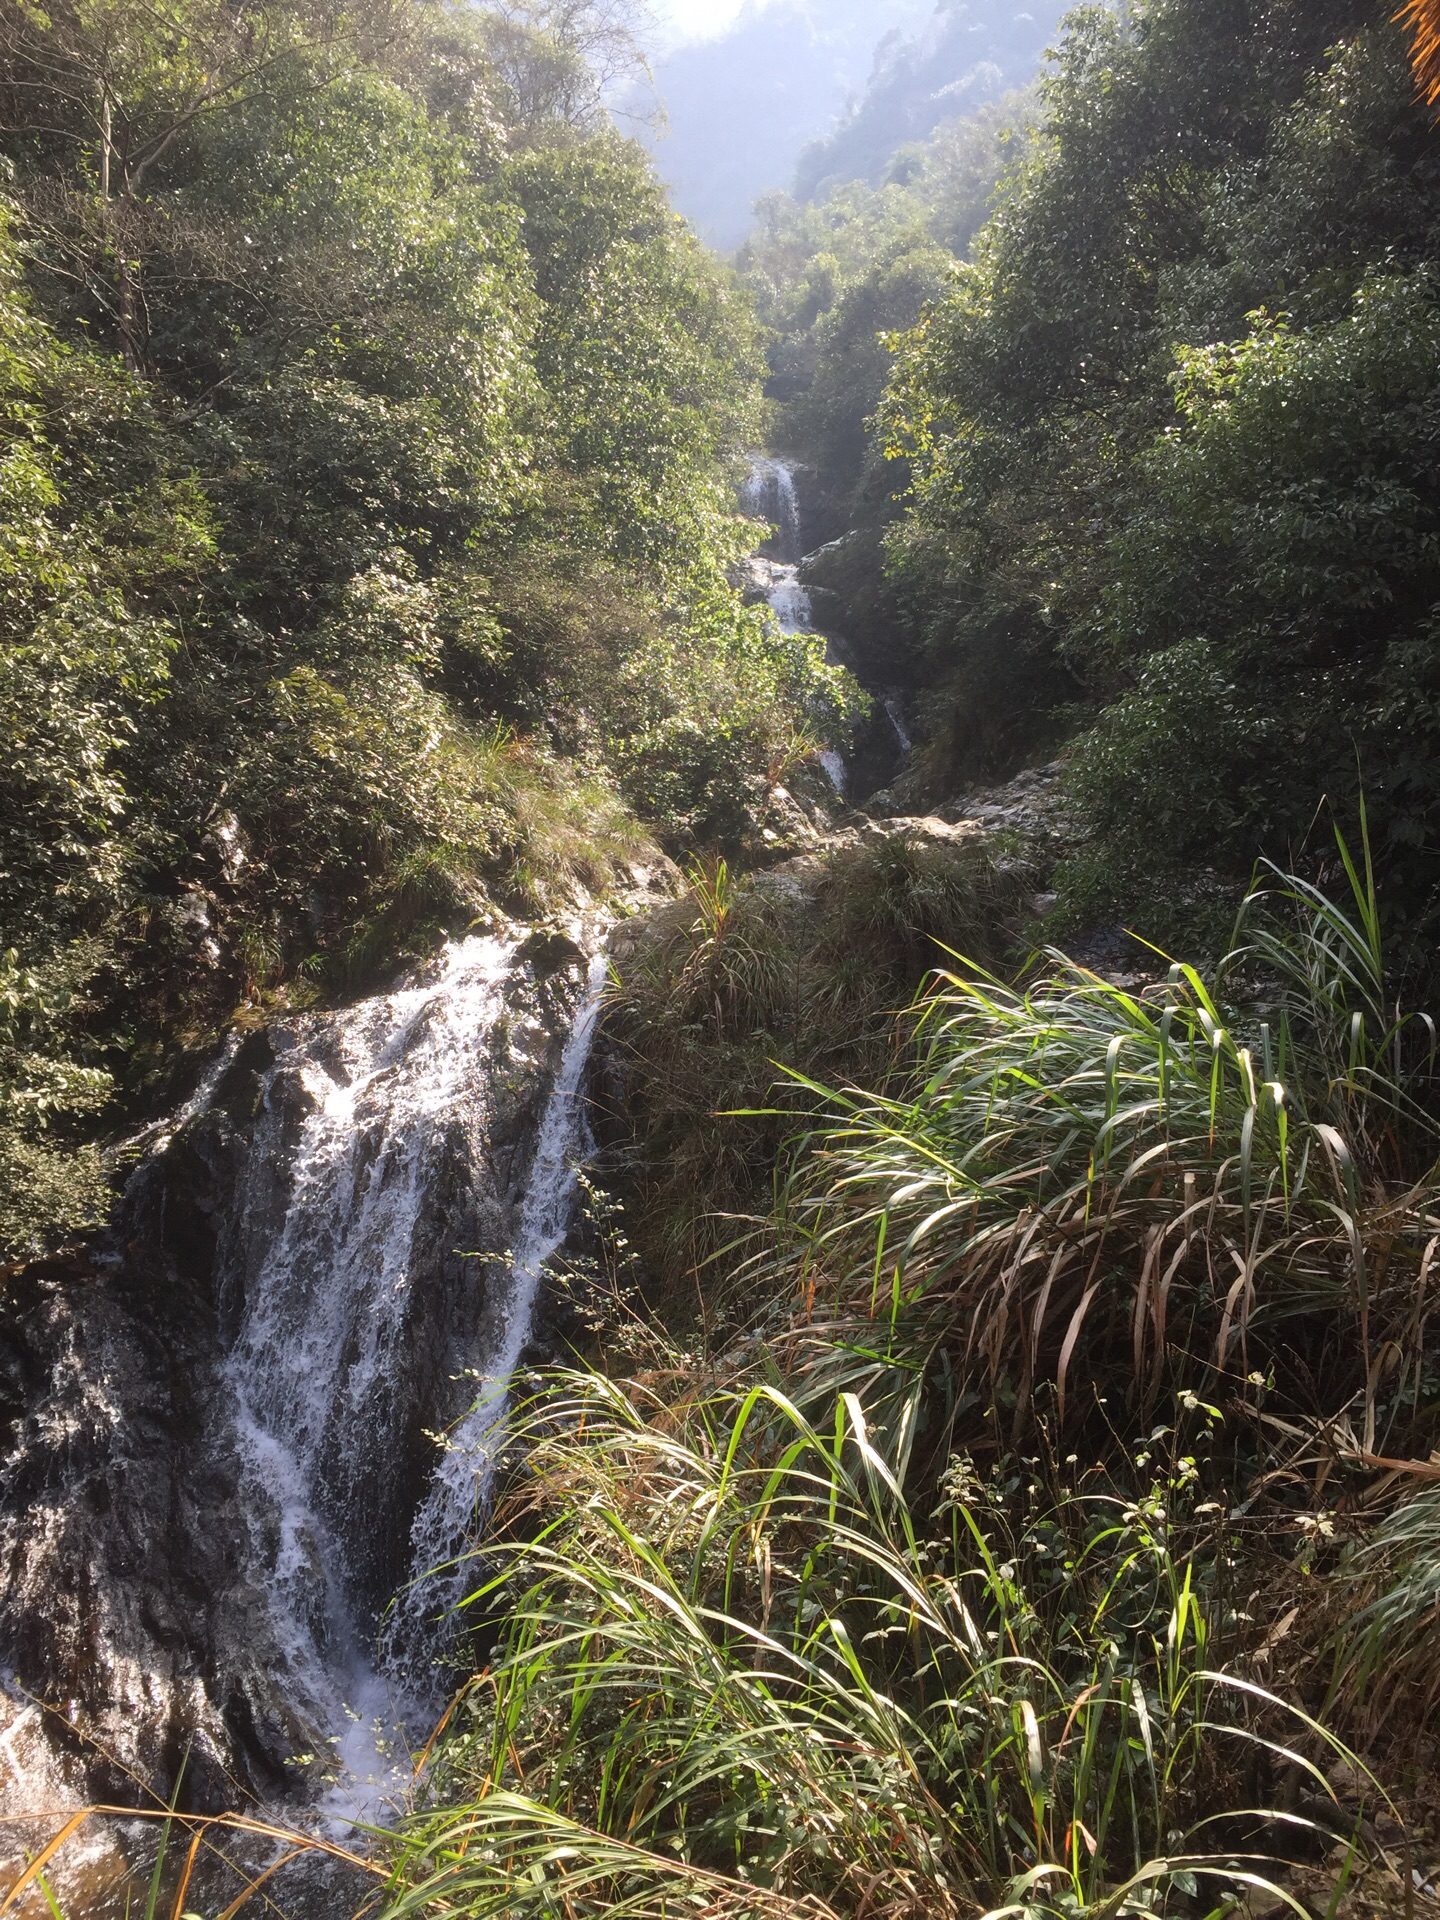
(1421, 19)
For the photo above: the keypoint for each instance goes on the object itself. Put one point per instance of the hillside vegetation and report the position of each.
(1156, 450)
(1002, 1478)
(1172, 443)
(370, 427)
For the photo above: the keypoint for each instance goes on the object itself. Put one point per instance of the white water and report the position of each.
(392, 1098)
(157, 1135)
(769, 493)
(790, 602)
(895, 714)
(460, 1488)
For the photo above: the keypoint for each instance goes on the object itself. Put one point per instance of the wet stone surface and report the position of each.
(215, 1427)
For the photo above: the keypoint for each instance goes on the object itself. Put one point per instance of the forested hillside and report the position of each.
(1170, 434)
(835, 274)
(370, 433)
(1035, 1515)
(1173, 438)
(896, 1380)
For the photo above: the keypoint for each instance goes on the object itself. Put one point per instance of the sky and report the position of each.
(696, 19)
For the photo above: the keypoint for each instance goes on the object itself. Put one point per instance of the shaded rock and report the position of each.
(142, 1548)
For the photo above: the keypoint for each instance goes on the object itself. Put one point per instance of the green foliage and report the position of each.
(48, 1184)
(748, 975)
(96, 539)
(1278, 568)
(833, 277)
(645, 352)
(829, 422)
(1171, 437)
(756, 1663)
(370, 428)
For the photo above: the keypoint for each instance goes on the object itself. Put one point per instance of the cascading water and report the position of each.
(769, 493)
(895, 714)
(460, 1487)
(227, 1471)
(327, 1319)
(334, 1359)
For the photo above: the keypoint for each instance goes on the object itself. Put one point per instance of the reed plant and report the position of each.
(745, 1671)
(1387, 1666)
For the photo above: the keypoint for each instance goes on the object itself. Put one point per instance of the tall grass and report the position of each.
(776, 1638)
(742, 1672)
(1083, 1181)
(745, 972)
(1388, 1663)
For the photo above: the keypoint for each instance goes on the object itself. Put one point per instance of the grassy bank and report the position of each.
(1044, 1521)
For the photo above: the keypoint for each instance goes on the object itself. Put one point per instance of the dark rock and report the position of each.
(139, 1552)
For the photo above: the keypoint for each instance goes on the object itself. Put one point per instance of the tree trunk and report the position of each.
(115, 226)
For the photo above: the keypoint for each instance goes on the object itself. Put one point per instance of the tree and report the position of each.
(561, 62)
(108, 87)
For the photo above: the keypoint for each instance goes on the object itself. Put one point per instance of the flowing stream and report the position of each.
(770, 493)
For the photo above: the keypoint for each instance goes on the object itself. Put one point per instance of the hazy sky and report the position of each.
(694, 19)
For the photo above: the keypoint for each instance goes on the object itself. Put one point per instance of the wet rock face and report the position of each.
(129, 1608)
(1031, 804)
(233, 1396)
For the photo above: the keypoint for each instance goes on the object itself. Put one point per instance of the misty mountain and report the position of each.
(830, 87)
(741, 107)
(964, 56)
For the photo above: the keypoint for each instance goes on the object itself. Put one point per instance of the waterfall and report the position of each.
(222, 1511)
(354, 1319)
(895, 714)
(769, 493)
(460, 1487)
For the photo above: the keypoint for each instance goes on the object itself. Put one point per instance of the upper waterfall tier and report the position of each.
(769, 493)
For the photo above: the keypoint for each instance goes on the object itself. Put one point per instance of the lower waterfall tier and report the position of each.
(219, 1462)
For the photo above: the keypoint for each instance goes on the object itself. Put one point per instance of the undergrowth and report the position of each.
(806, 969)
(935, 1587)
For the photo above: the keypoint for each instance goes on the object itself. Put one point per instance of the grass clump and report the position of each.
(803, 969)
(1078, 1180)
(758, 1663)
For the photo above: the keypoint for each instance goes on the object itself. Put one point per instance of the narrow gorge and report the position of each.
(719, 1062)
(257, 1421)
